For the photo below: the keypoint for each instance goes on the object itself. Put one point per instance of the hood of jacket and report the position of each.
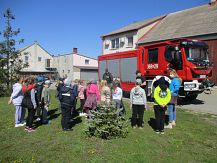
(65, 89)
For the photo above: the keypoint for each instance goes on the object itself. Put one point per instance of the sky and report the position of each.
(61, 25)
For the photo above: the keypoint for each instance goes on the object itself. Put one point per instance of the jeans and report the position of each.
(138, 110)
(160, 117)
(172, 112)
(18, 114)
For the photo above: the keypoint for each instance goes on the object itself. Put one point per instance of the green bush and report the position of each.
(106, 124)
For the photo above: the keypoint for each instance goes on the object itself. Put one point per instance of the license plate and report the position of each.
(202, 76)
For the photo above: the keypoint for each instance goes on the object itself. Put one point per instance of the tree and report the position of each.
(10, 61)
(106, 123)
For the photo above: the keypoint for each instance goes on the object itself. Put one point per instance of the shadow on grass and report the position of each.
(152, 123)
(75, 118)
(51, 115)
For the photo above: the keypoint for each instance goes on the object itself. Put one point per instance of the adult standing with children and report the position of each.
(174, 89)
(108, 77)
(143, 79)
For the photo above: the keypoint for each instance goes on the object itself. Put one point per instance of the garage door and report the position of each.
(89, 74)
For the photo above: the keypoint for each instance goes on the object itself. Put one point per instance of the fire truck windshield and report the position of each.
(196, 54)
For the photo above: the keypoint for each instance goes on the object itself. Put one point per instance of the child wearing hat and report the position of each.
(139, 103)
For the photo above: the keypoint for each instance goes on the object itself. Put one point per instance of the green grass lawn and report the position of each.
(194, 139)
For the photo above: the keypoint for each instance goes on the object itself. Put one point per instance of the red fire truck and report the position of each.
(188, 57)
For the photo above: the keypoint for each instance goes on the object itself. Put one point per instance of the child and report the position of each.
(66, 96)
(138, 103)
(17, 97)
(93, 97)
(162, 97)
(174, 88)
(39, 87)
(81, 94)
(105, 92)
(29, 102)
(75, 88)
(59, 85)
(117, 95)
(45, 101)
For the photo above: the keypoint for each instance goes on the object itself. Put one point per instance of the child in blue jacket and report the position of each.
(174, 89)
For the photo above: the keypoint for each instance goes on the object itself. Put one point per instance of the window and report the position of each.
(115, 43)
(153, 56)
(63, 71)
(68, 71)
(39, 59)
(47, 63)
(27, 59)
(87, 61)
(106, 46)
(130, 41)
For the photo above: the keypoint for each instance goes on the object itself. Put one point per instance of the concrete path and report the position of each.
(205, 103)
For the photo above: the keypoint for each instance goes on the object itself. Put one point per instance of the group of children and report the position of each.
(36, 96)
(165, 98)
(31, 96)
(68, 92)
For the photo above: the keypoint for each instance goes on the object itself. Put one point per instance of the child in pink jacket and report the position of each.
(93, 96)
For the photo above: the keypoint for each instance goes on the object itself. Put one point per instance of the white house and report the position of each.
(38, 59)
(76, 66)
(126, 38)
(72, 65)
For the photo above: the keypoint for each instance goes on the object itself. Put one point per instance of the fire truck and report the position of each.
(188, 57)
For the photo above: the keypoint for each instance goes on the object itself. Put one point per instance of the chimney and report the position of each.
(212, 2)
(75, 50)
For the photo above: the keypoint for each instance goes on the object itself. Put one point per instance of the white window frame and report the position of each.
(115, 43)
(129, 44)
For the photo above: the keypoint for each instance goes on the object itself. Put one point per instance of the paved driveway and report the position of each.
(206, 103)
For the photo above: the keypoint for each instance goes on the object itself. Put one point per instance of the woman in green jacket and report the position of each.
(162, 97)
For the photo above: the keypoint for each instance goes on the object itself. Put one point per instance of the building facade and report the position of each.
(40, 62)
(72, 65)
(126, 38)
(76, 66)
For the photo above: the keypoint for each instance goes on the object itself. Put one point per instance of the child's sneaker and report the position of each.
(26, 128)
(38, 119)
(22, 124)
(17, 125)
(157, 131)
(82, 114)
(162, 132)
(173, 123)
(31, 130)
(169, 126)
(134, 127)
